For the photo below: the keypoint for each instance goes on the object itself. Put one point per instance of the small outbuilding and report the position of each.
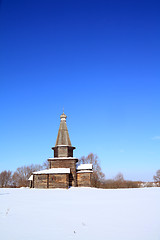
(84, 175)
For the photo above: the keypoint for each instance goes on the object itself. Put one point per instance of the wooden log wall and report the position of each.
(84, 179)
(59, 181)
(67, 164)
(40, 181)
(51, 180)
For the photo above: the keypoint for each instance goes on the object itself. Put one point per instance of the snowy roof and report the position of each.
(85, 167)
(53, 170)
(30, 178)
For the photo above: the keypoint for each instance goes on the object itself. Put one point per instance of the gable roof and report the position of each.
(30, 178)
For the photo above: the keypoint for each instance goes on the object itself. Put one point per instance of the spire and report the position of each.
(63, 135)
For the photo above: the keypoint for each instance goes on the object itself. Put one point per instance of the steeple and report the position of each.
(63, 135)
(63, 147)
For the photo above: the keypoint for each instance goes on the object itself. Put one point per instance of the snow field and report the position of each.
(80, 213)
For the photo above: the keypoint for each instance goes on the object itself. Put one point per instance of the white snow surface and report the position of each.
(80, 213)
(53, 170)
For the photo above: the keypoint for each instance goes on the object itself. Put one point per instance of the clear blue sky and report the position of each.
(100, 60)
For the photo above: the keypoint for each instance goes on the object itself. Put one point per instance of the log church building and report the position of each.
(64, 170)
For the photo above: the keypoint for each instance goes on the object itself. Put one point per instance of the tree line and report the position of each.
(20, 177)
(98, 177)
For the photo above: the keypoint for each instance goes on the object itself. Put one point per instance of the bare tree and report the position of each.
(157, 177)
(119, 181)
(5, 178)
(46, 165)
(98, 175)
(119, 177)
(21, 175)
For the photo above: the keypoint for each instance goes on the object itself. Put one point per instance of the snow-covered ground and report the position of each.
(80, 213)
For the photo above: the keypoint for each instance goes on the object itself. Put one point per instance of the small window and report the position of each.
(53, 178)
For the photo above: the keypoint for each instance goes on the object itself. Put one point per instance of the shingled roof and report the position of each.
(63, 135)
